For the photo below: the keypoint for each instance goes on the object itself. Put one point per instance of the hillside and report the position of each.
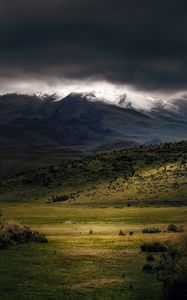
(155, 174)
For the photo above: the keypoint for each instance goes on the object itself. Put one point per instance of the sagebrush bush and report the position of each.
(58, 198)
(172, 271)
(151, 230)
(12, 234)
(153, 247)
(148, 268)
(150, 258)
(174, 228)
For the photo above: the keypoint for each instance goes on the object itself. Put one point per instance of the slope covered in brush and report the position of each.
(152, 173)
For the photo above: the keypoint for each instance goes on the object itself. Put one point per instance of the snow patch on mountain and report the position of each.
(127, 100)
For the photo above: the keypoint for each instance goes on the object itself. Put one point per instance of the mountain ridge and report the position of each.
(76, 120)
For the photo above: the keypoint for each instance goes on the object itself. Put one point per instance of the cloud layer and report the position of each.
(139, 42)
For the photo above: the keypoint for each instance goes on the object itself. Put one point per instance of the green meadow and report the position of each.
(85, 257)
(78, 265)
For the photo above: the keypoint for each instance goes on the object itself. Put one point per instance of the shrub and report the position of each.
(150, 258)
(153, 247)
(121, 232)
(151, 230)
(148, 268)
(39, 237)
(5, 241)
(172, 272)
(12, 234)
(58, 198)
(174, 228)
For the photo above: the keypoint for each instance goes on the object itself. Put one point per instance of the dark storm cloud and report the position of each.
(142, 43)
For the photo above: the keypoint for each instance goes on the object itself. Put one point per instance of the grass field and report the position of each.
(78, 265)
(86, 258)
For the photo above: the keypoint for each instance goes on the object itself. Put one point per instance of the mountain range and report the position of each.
(82, 119)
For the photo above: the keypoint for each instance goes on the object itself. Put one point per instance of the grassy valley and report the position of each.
(93, 212)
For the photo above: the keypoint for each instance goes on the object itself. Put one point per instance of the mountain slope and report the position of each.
(76, 120)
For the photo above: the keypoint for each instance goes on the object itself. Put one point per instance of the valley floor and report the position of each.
(85, 258)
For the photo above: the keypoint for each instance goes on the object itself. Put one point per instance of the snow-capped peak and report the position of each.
(125, 99)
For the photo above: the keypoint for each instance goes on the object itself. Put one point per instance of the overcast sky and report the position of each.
(55, 44)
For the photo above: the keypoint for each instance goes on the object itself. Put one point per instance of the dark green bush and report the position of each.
(58, 198)
(151, 230)
(153, 247)
(150, 258)
(12, 234)
(39, 237)
(171, 270)
(5, 241)
(174, 228)
(148, 268)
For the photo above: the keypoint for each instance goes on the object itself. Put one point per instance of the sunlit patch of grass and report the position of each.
(163, 182)
(79, 265)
